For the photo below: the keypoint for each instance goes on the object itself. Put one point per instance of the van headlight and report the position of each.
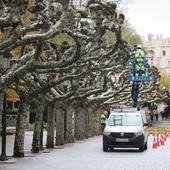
(139, 133)
(107, 133)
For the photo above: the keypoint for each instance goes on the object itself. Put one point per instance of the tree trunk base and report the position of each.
(18, 155)
(79, 137)
(3, 157)
(50, 142)
(35, 150)
(42, 148)
(69, 140)
(50, 146)
(59, 142)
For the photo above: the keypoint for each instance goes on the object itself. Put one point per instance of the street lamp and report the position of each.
(3, 156)
(65, 86)
(6, 64)
(44, 79)
(7, 55)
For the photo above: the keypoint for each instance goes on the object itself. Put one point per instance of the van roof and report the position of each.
(125, 111)
(131, 109)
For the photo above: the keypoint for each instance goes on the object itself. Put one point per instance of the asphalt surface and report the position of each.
(88, 155)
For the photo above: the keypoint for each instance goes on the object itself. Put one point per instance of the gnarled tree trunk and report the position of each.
(94, 123)
(50, 126)
(80, 122)
(1, 108)
(59, 127)
(38, 122)
(69, 138)
(3, 156)
(20, 128)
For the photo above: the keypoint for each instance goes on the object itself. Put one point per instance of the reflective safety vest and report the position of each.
(102, 119)
(155, 104)
(139, 57)
(139, 54)
(139, 66)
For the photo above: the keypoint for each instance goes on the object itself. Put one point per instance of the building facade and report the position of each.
(158, 51)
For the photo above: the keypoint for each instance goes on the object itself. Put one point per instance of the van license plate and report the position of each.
(122, 140)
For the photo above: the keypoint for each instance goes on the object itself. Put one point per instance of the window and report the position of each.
(164, 53)
(9, 105)
(124, 120)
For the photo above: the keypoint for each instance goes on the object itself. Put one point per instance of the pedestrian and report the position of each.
(156, 113)
(162, 115)
(103, 118)
(161, 109)
(151, 115)
(139, 61)
(166, 112)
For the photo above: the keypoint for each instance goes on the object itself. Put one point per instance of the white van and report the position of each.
(125, 128)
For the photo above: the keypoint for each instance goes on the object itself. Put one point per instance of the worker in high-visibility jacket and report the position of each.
(103, 118)
(139, 61)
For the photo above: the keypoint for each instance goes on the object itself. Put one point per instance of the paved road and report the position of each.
(88, 155)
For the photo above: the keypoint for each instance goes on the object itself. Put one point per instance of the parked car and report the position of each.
(126, 128)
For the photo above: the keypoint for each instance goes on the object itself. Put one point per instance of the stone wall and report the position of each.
(159, 48)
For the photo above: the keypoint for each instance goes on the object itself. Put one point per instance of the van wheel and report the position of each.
(105, 149)
(146, 146)
(142, 148)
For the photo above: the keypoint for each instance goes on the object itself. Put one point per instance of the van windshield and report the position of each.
(124, 120)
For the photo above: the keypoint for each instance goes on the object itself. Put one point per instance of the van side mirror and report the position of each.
(146, 124)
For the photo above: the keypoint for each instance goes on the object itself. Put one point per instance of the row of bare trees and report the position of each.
(71, 60)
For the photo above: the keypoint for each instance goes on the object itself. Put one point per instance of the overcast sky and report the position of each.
(150, 16)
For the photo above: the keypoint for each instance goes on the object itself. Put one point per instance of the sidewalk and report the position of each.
(27, 144)
(161, 123)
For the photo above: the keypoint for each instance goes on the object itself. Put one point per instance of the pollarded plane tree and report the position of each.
(94, 58)
(86, 75)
